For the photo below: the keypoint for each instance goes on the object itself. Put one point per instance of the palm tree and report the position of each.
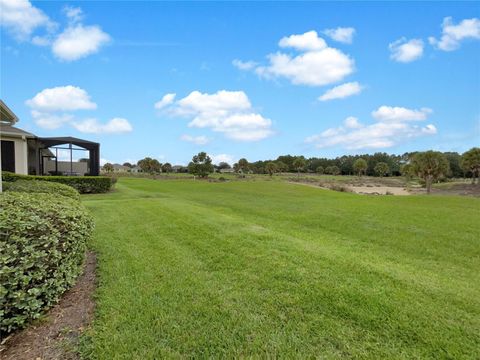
(299, 163)
(430, 166)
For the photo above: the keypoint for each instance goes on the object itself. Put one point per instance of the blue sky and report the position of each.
(252, 80)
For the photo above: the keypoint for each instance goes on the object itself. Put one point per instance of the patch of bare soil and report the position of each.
(58, 334)
(358, 188)
(379, 190)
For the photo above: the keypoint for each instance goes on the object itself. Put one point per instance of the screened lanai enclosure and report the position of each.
(63, 156)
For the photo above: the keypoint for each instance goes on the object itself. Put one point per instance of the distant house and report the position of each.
(118, 168)
(136, 169)
(24, 153)
(179, 169)
(227, 171)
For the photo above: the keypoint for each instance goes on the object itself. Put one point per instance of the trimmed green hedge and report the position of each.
(83, 184)
(43, 242)
(40, 186)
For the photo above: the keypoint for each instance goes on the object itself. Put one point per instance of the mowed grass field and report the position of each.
(265, 269)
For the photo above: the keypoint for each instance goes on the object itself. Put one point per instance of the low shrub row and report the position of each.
(83, 184)
(43, 242)
(40, 186)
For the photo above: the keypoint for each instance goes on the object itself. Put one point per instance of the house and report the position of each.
(179, 168)
(136, 169)
(24, 153)
(227, 171)
(14, 151)
(120, 168)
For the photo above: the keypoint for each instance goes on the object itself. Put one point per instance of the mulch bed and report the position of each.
(56, 335)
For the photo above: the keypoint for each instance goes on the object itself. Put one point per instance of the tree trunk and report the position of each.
(428, 183)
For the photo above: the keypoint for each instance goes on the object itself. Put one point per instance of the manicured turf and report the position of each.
(270, 269)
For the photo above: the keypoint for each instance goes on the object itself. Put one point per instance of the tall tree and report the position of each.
(167, 168)
(332, 170)
(471, 163)
(271, 168)
(360, 166)
(407, 171)
(223, 165)
(281, 166)
(455, 162)
(201, 165)
(149, 165)
(430, 166)
(299, 164)
(108, 167)
(382, 169)
(242, 166)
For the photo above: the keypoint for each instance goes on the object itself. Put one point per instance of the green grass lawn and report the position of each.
(264, 269)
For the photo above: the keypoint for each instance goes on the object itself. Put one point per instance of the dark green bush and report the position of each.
(40, 186)
(42, 246)
(83, 184)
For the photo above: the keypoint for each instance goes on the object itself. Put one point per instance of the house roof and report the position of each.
(7, 115)
(6, 129)
(120, 167)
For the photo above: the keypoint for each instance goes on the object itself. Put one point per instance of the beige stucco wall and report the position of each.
(21, 164)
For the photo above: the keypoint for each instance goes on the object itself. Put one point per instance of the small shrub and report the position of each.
(221, 178)
(83, 184)
(42, 241)
(42, 187)
(340, 188)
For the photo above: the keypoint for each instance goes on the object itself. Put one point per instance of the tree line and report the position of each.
(428, 165)
(377, 164)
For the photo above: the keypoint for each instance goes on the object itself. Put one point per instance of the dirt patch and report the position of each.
(56, 336)
(379, 190)
(364, 190)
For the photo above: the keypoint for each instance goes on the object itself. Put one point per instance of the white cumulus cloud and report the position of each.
(341, 34)
(386, 132)
(351, 122)
(74, 42)
(342, 91)
(197, 140)
(227, 112)
(216, 159)
(314, 64)
(307, 41)
(454, 34)
(93, 126)
(405, 51)
(63, 98)
(166, 100)
(50, 121)
(21, 18)
(53, 108)
(79, 41)
(396, 113)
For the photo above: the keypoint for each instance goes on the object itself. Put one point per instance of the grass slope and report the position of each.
(270, 269)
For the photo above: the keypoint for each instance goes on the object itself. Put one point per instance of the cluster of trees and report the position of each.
(146, 165)
(378, 164)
